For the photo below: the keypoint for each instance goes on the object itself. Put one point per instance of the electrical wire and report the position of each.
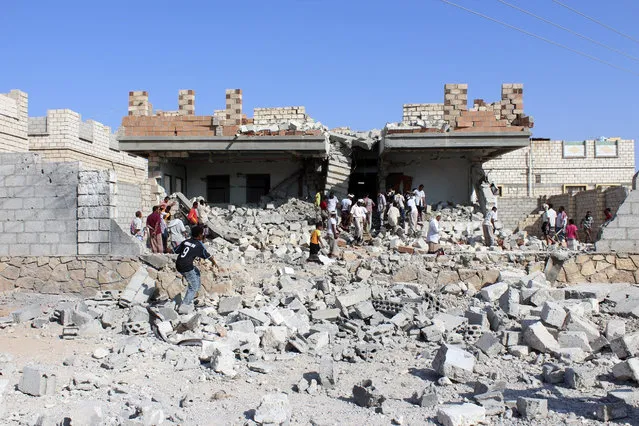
(634, 58)
(596, 21)
(554, 43)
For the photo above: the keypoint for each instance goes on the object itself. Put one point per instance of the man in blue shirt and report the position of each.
(187, 252)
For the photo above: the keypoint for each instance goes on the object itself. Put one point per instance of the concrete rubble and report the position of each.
(388, 336)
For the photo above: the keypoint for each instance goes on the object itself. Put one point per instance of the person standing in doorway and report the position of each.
(154, 227)
(489, 227)
(187, 252)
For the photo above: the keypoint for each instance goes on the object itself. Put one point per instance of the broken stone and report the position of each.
(492, 293)
(229, 304)
(326, 314)
(461, 415)
(577, 323)
(274, 409)
(26, 314)
(532, 408)
(609, 411)
(579, 378)
(574, 339)
(489, 345)
(365, 309)
(454, 363)
(537, 337)
(327, 373)
(553, 314)
(627, 370)
(353, 298)
(615, 328)
(36, 382)
(493, 402)
(366, 395)
(626, 346)
(427, 399)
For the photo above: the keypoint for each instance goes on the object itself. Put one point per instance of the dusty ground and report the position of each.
(163, 376)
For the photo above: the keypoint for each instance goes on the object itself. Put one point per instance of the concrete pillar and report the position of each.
(233, 107)
(186, 102)
(139, 103)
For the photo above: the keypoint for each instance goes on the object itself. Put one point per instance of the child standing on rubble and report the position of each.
(316, 242)
(187, 252)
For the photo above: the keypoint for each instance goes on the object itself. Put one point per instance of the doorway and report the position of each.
(257, 186)
(361, 184)
(218, 189)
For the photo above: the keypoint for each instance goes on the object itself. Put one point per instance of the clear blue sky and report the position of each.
(349, 62)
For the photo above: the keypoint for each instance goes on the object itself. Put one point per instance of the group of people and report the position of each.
(558, 228)
(164, 232)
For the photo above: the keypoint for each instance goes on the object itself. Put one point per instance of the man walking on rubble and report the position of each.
(358, 213)
(370, 205)
(420, 200)
(393, 218)
(381, 209)
(154, 227)
(432, 237)
(411, 210)
(332, 234)
(488, 226)
(347, 204)
(187, 252)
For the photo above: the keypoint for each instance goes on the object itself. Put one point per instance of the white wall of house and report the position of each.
(197, 172)
(443, 179)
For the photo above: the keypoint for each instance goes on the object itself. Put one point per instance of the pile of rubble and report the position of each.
(516, 348)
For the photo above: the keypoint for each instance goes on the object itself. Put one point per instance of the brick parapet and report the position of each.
(14, 121)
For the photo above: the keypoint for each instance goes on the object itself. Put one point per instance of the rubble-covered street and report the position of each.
(385, 335)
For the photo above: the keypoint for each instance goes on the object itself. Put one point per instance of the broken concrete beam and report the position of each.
(532, 408)
(36, 382)
(139, 289)
(461, 415)
(537, 337)
(274, 409)
(454, 363)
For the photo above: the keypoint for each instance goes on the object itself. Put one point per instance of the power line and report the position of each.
(634, 58)
(596, 21)
(554, 43)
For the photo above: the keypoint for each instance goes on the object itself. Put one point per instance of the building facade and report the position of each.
(551, 167)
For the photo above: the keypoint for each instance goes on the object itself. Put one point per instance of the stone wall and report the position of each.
(622, 233)
(551, 171)
(600, 268)
(14, 121)
(38, 205)
(63, 136)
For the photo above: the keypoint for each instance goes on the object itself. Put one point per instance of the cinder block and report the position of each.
(36, 382)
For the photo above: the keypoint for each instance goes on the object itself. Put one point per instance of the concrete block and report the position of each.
(626, 346)
(26, 314)
(461, 415)
(537, 337)
(493, 292)
(454, 363)
(609, 411)
(354, 297)
(223, 361)
(327, 373)
(576, 323)
(36, 382)
(365, 309)
(532, 408)
(627, 370)
(366, 395)
(274, 409)
(326, 314)
(615, 328)
(553, 315)
(574, 339)
(489, 344)
(579, 378)
(509, 302)
(229, 304)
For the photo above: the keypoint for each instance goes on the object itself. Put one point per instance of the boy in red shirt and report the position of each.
(572, 236)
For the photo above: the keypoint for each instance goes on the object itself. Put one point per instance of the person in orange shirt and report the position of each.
(316, 241)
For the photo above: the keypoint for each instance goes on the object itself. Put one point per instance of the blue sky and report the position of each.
(349, 62)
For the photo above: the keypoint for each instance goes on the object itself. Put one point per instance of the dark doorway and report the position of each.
(361, 184)
(257, 186)
(218, 189)
(399, 182)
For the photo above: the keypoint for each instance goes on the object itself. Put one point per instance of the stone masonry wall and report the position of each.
(62, 136)
(550, 171)
(14, 121)
(622, 233)
(37, 206)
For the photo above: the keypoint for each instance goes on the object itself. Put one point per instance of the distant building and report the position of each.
(550, 167)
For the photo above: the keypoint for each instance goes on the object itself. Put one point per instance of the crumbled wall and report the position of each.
(548, 165)
(622, 233)
(62, 136)
(14, 121)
